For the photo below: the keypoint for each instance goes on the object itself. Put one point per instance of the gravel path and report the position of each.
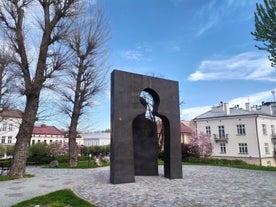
(200, 186)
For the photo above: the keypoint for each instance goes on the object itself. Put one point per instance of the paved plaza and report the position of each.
(200, 186)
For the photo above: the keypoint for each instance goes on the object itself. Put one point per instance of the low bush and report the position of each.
(62, 158)
(95, 150)
(213, 161)
(39, 160)
(161, 155)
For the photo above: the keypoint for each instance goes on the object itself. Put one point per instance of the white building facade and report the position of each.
(96, 139)
(247, 134)
(10, 121)
(51, 134)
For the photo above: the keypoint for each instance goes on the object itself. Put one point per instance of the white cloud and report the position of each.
(132, 55)
(190, 113)
(141, 52)
(244, 66)
(254, 99)
(215, 12)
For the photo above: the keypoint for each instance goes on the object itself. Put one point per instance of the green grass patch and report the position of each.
(160, 162)
(61, 198)
(6, 178)
(227, 163)
(255, 167)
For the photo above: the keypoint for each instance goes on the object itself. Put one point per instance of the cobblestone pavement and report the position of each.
(200, 186)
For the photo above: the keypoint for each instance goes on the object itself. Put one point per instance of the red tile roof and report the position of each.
(47, 130)
(185, 129)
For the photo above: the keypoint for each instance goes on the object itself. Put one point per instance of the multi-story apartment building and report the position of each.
(10, 121)
(248, 134)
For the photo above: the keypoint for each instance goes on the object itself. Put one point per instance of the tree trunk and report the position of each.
(73, 152)
(23, 138)
(73, 146)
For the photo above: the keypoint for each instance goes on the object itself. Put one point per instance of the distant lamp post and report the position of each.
(89, 160)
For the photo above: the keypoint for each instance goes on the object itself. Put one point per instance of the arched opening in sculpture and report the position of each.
(148, 131)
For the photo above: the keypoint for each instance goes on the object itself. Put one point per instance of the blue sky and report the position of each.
(205, 45)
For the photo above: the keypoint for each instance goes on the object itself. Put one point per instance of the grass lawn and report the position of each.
(244, 166)
(5, 178)
(81, 165)
(61, 198)
(84, 164)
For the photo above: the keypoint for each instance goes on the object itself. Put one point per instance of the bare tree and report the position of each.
(87, 71)
(7, 76)
(52, 26)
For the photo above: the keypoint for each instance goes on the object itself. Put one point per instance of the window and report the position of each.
(266, 145)
(208, 130)
(264, 129)
(3, 140)
(272, 129)
(221, 132)
(243, 148)
(33, 142)
(4, 127)
(222, 148)
(241, 129)
(9, 140)
(10, 127)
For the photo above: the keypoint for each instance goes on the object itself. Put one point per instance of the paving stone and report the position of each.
(201, 186)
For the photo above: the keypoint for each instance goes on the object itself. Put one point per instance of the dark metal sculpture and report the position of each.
(134, 144)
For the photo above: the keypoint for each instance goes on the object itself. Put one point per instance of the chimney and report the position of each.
(226, 108)
(247, 106)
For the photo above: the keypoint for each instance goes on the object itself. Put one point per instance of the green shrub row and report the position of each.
(95, 150)
(213, 161)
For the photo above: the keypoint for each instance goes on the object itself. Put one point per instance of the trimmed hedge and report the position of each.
(207, 160)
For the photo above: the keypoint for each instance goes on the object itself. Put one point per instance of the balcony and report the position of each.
(221, 139)
(273, 138)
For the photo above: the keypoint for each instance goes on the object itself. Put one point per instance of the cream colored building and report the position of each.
(241, 133)
(186, 131)
(96, 139)
(10, 121)
(49, 134)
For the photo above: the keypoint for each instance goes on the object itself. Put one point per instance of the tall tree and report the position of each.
(86, 72)
(17, 24)
(265, 28)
